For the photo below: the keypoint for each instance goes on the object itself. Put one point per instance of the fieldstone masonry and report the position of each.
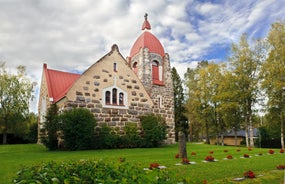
(141, 93)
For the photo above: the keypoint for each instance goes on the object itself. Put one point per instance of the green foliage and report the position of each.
(15, 95)
(91, 171)
(32, 135)
(131, 138)
(179, 104)
(223, 171)
(153, 130)
(51, 127)
(78, 127)
(272, 75)
(106, 138)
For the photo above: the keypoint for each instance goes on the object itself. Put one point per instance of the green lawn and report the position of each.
(222, 171)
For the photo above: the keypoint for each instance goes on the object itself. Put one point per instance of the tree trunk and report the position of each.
(246, 136)
(182, 145)
(222, 138)
(4, 137)
(282, 131)
(207, 134)
(251, 141)
(235, 137)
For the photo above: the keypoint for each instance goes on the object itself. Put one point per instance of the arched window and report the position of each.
(107, 97)
(114, 96)
(155, 71)
(135, 67)
(121, 98)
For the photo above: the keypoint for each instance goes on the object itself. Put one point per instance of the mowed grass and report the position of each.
(12, 157)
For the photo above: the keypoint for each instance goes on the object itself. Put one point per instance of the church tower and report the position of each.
(152, 66)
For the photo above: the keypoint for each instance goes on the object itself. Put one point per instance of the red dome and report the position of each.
(147, 40)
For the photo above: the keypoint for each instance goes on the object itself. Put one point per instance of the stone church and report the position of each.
(116, 90)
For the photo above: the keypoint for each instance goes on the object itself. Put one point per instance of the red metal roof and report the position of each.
(58, 82)
(147, 40)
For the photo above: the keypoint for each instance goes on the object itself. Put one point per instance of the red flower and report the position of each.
(204, 181)
(280, 167)
(271, 151)
(177, 155)
(153, 166)
(282, 151)
(246, 155)
(210, 158)
(185, 161)
(249, 174)
(193, 153)
(211, 152)
(229, 157)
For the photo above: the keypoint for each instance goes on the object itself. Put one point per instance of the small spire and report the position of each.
(146, 24)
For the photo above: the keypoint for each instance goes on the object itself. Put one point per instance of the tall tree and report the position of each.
(179, 102)
(273, 73)
(229, 109)
(49, 135)
(15, 95)
(245, 64)
(192, 105)
(202, 103)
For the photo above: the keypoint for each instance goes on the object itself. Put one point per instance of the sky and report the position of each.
(71, 35)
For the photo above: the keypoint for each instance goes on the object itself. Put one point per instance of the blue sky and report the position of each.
(71, 35)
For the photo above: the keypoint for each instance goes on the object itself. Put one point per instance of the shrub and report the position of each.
(131, 137)
(92, 171)
(78, 129)
(107, 138)
(51, 126)
(153, 130)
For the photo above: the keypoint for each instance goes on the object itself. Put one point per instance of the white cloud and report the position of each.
(73, 34)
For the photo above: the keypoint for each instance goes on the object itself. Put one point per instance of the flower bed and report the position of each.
(280, 167)
(154, 166)
(246, 155)
(210, 159)
(229, 157)
(249, 174)
(282, 151)
(193, 153)
(177, 155)
(271, 151)
(185, 161)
